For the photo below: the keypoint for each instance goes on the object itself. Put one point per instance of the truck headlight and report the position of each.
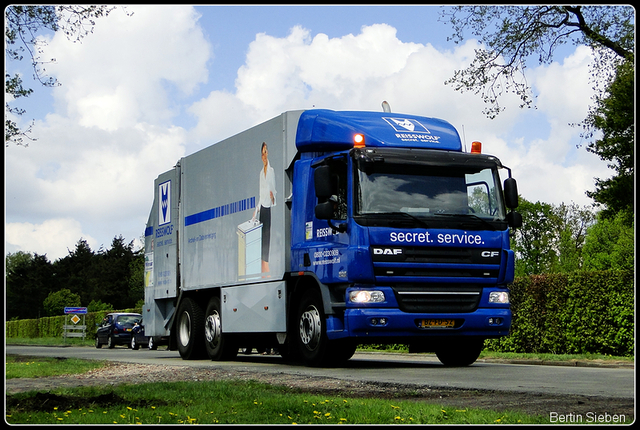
(366, 296)
(501, 297)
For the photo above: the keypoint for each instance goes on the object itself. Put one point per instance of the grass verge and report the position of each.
(238, 402)
(22, 366)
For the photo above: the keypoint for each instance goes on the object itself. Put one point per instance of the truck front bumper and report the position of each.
(385, 322)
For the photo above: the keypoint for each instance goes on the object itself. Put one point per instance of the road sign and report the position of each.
(75, 310)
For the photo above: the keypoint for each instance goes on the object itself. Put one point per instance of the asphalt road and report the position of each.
(422, 370)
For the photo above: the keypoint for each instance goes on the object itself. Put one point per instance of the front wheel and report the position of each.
(98, 344)
(190, 330)
(313, 345)
(218, 345)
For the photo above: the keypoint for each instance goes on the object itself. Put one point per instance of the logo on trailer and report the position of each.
(164, 208)
(406, 125)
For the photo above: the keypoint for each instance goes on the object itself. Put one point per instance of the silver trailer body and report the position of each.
(209, 224)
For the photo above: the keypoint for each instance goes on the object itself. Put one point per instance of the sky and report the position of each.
(145, 89)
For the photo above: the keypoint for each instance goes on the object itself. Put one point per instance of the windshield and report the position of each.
(429, 192)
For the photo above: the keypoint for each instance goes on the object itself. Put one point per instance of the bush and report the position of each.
(575, 313)
(55, 303)
(52, 326)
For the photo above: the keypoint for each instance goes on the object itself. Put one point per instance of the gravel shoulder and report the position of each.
(535, 404)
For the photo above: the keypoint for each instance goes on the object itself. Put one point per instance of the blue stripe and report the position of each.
(148, 231)
(220, 211)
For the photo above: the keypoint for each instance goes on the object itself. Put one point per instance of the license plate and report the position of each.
(128, 329)
(437, 323)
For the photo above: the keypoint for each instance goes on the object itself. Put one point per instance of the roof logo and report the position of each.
(405, 124)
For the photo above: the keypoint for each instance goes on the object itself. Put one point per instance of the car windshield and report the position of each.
(429, 192)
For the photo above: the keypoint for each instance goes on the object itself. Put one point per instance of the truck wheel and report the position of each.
(218, 345)
(190, 330)
(311, 332)
(459, 353)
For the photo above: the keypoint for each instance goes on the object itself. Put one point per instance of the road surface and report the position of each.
(420, 370)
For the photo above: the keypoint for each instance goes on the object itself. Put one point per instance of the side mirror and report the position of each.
(323, 182)
(511, 193)
(324, 210)
(514, 219)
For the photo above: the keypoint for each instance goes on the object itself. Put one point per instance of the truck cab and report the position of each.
(407, 235)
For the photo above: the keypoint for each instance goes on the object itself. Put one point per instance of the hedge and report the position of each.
(52, 326)
(572, 313)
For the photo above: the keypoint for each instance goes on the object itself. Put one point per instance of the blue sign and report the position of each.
(71, 310)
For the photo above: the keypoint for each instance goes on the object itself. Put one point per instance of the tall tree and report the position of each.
(552, 237)
(23, 25)
(29, 282)
(614, 116)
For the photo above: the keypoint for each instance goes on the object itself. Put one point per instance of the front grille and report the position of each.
(437, 298)
(430, 262)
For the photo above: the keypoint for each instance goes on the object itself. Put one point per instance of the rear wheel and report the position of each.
(218, 345)
(190, 330)
(152, 345)
(133, 344)
(460, 352)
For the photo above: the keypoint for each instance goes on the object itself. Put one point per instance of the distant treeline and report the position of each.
(106, 279)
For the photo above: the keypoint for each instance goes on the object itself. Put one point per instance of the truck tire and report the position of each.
(460, 352)
(313, 346)
(310, 329)
(218, 345)
(190, 330)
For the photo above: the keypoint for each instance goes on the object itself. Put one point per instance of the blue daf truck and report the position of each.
(320, 230)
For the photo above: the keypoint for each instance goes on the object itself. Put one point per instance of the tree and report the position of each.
(534, 241)
(614, 116)
(55, 303)
(29, 282)
(77, 273)
(610, 243)
(552, 237)
(23, 25)
(512, 34)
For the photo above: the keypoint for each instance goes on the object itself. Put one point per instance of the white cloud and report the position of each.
(95, 159)
(118, 75)
(353, 72)
(54, 237)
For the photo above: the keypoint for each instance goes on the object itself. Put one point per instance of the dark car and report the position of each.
(138, 338)
(115, 329)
